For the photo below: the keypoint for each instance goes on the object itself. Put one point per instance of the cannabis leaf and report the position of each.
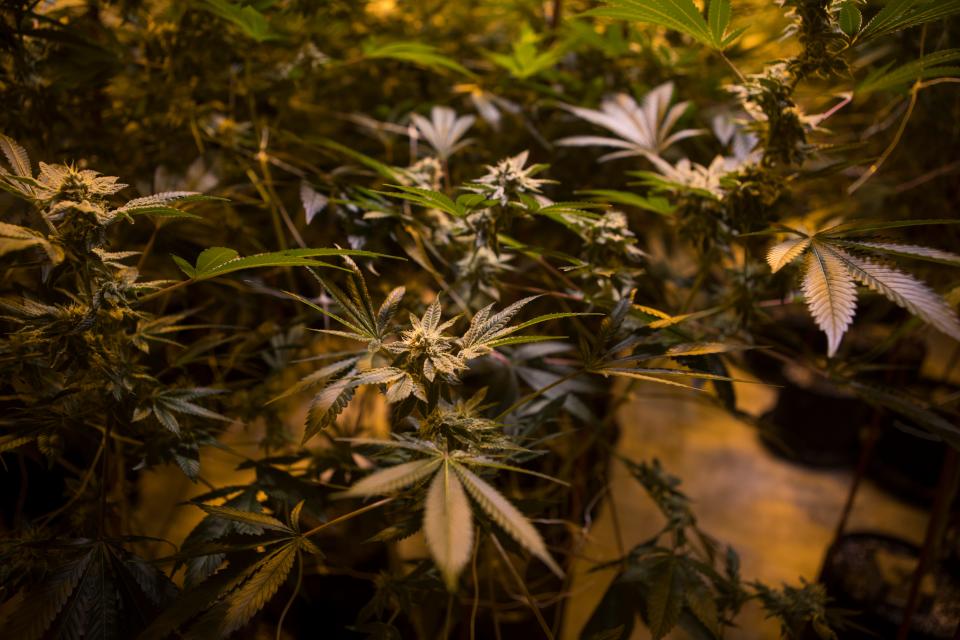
(667, 595)
(422, 54)
(218, 261)
(15, 238)
(934, 65)
(159, 205)
(431, 199)
(525, 60)
(448, 525)
(608, 352)
(506, 516)
(448, 520)
(850, 18)
(656, 204)
(386, 171)
(830, 294)
(250, 21)
(82, 597)
(16, 155)
(903, 14)
(230, 598)
(643, 128)
(679, 15)
(313, 202)
(167, 402)
(833, 264)
(444, 130)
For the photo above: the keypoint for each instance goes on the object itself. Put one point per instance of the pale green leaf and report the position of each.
(666, 597)
(934, 65)
(253, 595)
(507, 516)
(904, 290)
(905, 250)
(250, 21)
(17, 157)
(260, 520)
(448, 525)
(679, 15)
(417, 53)
(218, 261)
(718, 18)
(786, 252)
(903, 14)
(850, 18)
(656, 204)
(392, 479)
(830, 294)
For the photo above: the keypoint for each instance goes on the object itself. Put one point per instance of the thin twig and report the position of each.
(164, 291)
(914, 92)
(535, 394)
(348, 516)
(104, 470)
(293, 596)
(476, 590)
(523, 587)
(729, 62)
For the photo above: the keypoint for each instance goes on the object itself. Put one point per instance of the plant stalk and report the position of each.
(939, 516)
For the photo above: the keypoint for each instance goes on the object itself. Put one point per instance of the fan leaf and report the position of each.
(257, 520)
(786, 252)
(666, 596)
(904, 290)
(907, 251)
(507, 516)
(393, 479)
(679, 15)
(448, 525)
(830, 293)
(271, 573)
(17, 157)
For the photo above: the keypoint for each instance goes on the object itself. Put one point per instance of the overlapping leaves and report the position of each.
(834, 263)
(448, 520)
(679, 15)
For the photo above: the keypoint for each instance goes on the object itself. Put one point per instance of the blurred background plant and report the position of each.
(575, 191)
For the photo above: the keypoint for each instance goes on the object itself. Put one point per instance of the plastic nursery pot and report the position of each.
(905, 465)
(813, 422)
(906, 461)
(871, 573)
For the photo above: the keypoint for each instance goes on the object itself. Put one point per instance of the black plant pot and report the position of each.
(814, 423)
(871, 573)
(906, 465)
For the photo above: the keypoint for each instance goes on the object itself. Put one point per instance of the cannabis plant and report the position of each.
(527, 219)
(87, 395)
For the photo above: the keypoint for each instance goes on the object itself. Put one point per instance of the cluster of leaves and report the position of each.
(82, 378)
(491, 429)
(682, 577)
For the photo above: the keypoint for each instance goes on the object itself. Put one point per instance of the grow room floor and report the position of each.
(779, 516)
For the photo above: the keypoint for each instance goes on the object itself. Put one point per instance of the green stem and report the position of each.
(348, 516)
(729, 62)
(165, 290)
(523, 587)
(536, 394)
(293, 596)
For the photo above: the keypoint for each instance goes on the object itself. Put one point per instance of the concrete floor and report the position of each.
(778, 516)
